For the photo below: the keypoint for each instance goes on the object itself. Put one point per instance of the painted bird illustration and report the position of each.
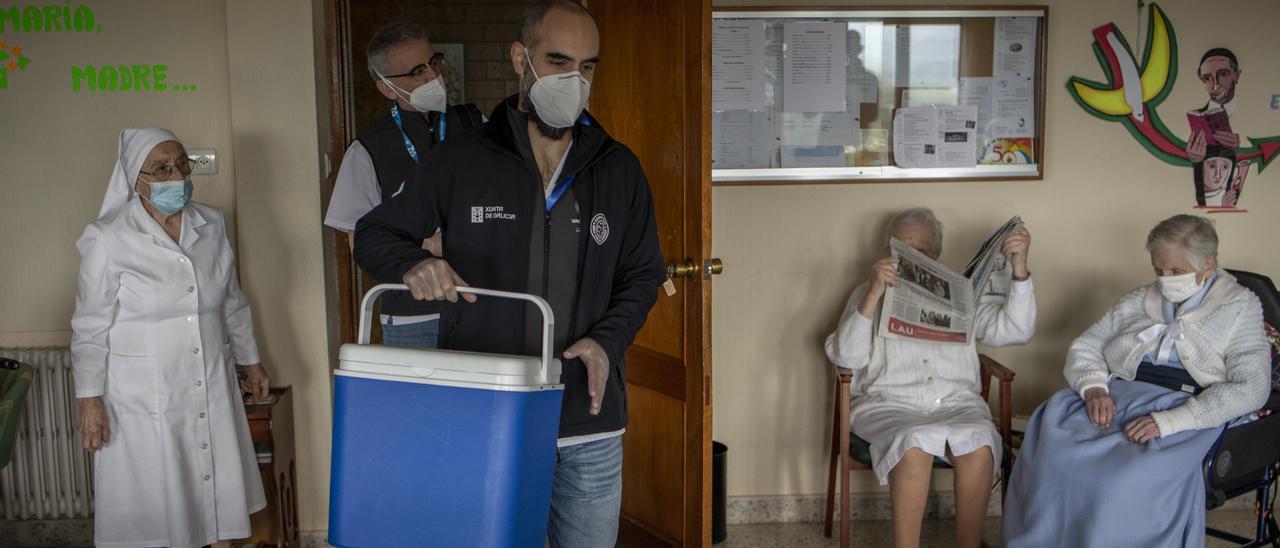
(1134, 90)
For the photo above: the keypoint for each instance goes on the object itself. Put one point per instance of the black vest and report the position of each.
(393, 166)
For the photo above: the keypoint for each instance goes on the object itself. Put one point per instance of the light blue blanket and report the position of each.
(1075, 484)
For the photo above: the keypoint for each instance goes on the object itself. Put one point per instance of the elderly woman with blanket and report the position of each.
(1115, 460)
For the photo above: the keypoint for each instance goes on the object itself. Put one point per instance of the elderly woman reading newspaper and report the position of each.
(914, 400)
(1114, 460)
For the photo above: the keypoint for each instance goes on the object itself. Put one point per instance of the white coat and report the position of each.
(156, 329)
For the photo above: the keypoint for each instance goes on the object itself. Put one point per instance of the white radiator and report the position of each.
(50, 475)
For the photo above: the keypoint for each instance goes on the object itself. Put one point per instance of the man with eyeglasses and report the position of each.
(408, 72)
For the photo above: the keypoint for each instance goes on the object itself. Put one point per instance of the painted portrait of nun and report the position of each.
(1214, 177)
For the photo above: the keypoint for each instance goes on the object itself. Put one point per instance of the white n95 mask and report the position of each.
(559, 98)
(1179, 288)
(429, 97)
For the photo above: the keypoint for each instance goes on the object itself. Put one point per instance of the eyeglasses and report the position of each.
(434, 67)
(181, 165)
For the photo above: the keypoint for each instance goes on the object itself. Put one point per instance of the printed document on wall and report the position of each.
(819, 156)
(1012, 108)
(925, 137)
(1015, 47)
(815, 67)
(819, 128)
(976, 91)
(915, 133)
(957, 136)
(742, 139)
(737, 65)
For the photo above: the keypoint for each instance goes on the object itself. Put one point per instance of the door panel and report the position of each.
(656, 419)
(652, 93)
(637, 92)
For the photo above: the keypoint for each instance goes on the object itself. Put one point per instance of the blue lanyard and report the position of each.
(408, 145)
(558, 192)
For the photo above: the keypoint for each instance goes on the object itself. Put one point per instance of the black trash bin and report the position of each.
(718, 452)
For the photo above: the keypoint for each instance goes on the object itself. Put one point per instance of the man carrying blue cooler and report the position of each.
(541, 200)
(410, 75)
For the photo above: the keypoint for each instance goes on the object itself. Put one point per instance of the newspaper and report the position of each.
(990, 260)
(933, 303)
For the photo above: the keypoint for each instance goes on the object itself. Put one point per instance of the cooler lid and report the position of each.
(447, 367)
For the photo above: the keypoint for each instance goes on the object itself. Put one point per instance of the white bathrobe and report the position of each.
(909, 394)
(158, 328)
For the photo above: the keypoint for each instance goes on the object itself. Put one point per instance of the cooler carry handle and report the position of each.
(548, 318)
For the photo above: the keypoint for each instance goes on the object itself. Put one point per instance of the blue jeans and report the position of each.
(412, 335)
(587, 495)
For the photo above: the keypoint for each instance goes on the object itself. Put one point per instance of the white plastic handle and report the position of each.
(548, 317)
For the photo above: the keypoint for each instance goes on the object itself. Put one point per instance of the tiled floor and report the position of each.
(936, 533)
(783, 535)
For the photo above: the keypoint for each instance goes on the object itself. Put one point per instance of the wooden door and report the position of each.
(652, 93)
(337, 14)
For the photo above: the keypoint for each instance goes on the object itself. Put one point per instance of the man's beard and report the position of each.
(546, 130)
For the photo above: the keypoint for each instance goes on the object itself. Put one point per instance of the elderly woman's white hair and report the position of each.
(1194, 235)
(919, 216)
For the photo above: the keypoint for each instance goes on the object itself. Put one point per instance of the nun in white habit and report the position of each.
(914, 401)
(159, 325)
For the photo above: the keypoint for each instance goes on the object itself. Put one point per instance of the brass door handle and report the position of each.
(712, 266)
(689, 269)
(682, 269)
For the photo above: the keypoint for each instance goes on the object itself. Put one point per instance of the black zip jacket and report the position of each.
(481, 188)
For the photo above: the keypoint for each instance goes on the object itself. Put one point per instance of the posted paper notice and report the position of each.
(737, 65)
(819, 128)
(742, 139)
(1015, 47)
(815, 67)
(1012, 108)
(925, 137)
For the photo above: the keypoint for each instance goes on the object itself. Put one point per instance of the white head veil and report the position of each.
(135, 146)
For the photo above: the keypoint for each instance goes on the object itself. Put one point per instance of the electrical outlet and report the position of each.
(204, 161)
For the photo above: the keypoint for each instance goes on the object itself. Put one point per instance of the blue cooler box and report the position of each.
(443, 448)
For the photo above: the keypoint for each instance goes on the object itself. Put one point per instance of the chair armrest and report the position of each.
(845, 375)
(992, 368)
(995, 369)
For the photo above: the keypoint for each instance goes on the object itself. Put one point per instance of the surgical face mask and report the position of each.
(1179, 288)
(170, 196)
(429, 97)
(559, 98)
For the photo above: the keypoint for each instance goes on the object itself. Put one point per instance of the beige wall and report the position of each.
(59, 146)
(792, 254)
(273, 81)
(256, 102)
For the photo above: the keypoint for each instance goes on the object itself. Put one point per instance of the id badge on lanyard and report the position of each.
(408, 145)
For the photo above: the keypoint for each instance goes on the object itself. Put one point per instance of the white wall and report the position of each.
(793, 253)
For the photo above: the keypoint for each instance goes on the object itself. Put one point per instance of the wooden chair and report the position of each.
(850, 452)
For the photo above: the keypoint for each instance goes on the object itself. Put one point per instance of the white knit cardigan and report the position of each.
(1222, 345)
